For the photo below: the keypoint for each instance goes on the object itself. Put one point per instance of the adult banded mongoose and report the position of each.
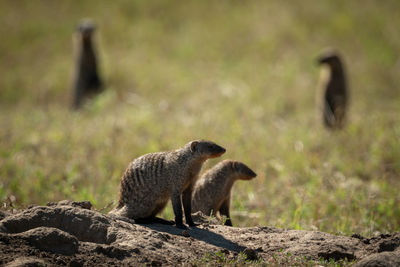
(212, 192)
(151, 180)
(87, 81)
(332, 97)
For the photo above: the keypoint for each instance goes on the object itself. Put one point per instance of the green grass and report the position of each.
(240, 73)
(222, 259)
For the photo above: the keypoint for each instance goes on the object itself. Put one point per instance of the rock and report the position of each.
(78, 204)
(27, 262)
(52, 240)
(384, 259)
(185, 233)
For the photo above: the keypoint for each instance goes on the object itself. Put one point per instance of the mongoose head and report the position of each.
(86, 28)
(205, 149)
(233, 170)
(242, 171)
(331, 58)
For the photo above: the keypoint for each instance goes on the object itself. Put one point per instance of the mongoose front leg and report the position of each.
(187, 205)
(224, 210)
(177, 207)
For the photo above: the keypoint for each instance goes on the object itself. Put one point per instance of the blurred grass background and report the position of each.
(240, 73)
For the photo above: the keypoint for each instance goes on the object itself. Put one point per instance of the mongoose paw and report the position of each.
(192, 224)
(170, 222)
(228, 223)
(181, 226)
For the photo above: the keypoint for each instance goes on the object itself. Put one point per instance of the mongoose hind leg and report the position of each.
(158, 208)
(153, 219)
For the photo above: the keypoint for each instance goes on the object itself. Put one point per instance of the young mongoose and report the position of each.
(332, 97)
(212, 192)
(151, 180)
(87, 81)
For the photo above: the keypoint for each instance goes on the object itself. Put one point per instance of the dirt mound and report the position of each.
(69, 233)
(51, 239)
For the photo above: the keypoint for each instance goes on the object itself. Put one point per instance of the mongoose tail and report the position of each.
(212, 193)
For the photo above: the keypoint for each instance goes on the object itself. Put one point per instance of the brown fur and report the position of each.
(151, 180)
(333, 92)
(212, 192)
(87, 80)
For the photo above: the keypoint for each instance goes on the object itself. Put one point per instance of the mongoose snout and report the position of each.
(245, 172)
(152, 179)
(86, 28)
(210, 150)
(212, 192)
(331, 58)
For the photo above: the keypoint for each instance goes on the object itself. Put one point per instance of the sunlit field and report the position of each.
(240, 73)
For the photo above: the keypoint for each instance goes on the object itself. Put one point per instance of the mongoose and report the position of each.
(151, 180)
(332, 97)
(212, 192)
(87, 81)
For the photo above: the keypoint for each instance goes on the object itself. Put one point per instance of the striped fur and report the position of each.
(151, 180)
(212, 192)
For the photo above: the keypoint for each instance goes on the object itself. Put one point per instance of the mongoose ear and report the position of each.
(193, 146)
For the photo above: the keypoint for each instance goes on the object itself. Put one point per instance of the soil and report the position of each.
(70, 233)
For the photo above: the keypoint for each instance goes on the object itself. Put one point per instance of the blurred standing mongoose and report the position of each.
(87, 81)
(212, 192)
(151, 180)
(332, 97)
